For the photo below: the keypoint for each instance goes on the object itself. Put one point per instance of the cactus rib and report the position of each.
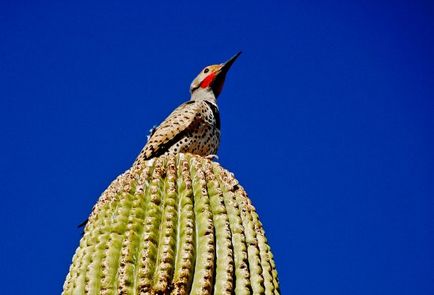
(173, 225)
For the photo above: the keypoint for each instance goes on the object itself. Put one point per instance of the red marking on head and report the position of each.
(207, 81)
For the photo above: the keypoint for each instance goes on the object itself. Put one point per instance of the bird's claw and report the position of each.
(212, 157)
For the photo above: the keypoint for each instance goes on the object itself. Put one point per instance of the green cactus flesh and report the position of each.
(173, 225)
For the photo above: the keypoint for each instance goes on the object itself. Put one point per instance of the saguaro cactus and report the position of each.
(176, 225)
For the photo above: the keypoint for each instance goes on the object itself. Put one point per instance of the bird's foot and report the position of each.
(212, 157)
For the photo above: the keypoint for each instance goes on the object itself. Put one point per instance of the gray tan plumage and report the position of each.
(193, 127)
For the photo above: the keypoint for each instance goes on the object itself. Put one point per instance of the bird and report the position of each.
(194, 126)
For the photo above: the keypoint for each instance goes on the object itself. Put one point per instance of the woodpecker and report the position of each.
(194, 126)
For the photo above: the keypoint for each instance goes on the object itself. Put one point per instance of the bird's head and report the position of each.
(212, 78)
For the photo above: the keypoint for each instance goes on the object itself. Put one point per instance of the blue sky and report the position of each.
(327, 121)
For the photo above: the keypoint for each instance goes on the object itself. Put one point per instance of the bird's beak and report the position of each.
(220, 74)
(227, 65)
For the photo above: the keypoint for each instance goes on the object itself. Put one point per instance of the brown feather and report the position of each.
(183, 119)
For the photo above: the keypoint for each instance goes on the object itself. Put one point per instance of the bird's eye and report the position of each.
(206, 70)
